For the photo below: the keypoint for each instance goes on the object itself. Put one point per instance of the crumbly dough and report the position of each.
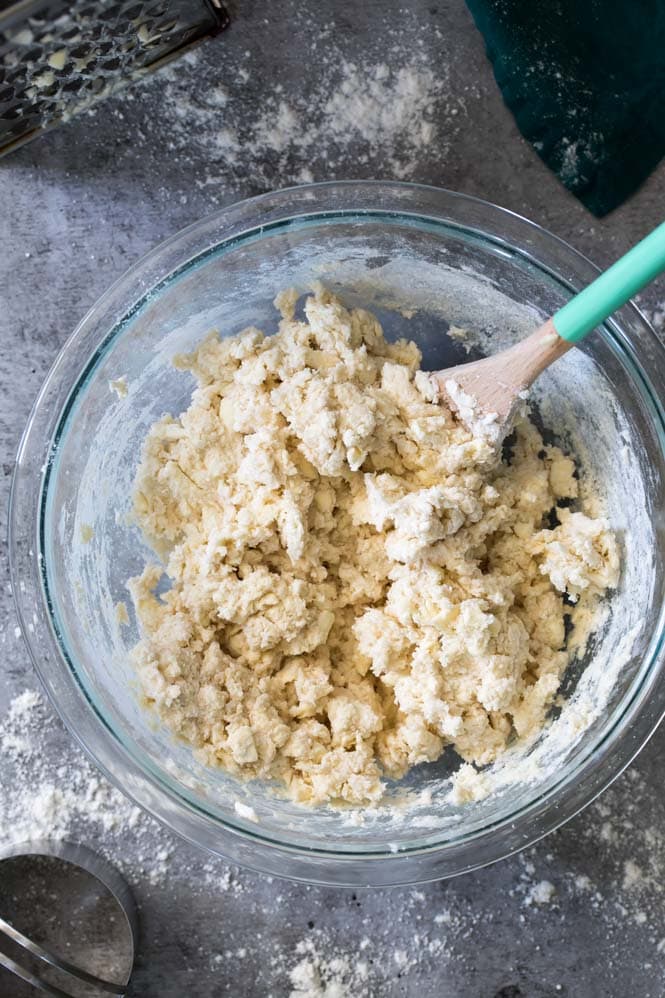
(356, 580)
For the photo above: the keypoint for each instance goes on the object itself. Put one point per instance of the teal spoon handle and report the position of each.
(613, 288)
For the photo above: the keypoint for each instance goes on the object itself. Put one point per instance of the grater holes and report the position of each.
(60, 70)
(145, 32)
(19, 38)
(112, 14)
(157, 10)
(33, 103)
(71, 87)
(43, 108)
(53, 64)
(15, 75)
(50, 90)
(122, 29)
(97, 31)
(167, 27)
(157, 34)
(61, 21)
(81, 51)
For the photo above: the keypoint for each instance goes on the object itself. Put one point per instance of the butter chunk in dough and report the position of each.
(357, 581)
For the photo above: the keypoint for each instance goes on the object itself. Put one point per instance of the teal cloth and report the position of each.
(585, 80)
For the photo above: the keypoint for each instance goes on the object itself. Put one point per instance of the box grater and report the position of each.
(57, 57)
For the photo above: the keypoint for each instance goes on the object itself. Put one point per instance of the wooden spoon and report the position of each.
(486, 393)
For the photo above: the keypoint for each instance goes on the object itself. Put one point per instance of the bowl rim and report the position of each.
(613, 747)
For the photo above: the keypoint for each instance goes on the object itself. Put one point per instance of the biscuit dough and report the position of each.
(356, 581)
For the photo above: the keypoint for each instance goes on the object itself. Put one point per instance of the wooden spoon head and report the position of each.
(488, 394)
(487, 406)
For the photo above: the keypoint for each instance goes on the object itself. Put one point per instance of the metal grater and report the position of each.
(57, 57)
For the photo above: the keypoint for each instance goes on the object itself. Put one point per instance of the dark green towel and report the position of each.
(585, 80)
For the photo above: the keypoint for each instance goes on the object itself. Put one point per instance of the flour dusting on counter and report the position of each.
(386, 113)
(318, 974)
(47, 801)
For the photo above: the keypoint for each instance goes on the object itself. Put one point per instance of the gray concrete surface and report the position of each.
(80, 206)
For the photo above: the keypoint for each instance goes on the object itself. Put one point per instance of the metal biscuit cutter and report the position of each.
(55, 897)
(57, 57)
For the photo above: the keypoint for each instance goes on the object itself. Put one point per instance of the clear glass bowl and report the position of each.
(422, 258)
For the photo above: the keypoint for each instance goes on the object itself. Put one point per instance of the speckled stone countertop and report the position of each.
(581, 914)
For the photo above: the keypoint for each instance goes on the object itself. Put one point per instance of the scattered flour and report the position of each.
(23, 707)
(40, 797)
(43, 797)
(633, 876)
(245, 811)
(319, 975)
(119, 386)
(384, 111)
(51, 802)
(582, 882)
(541, 893)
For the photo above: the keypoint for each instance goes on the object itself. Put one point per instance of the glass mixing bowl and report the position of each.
(423, 259)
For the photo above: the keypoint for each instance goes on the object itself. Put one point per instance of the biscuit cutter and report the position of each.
(26, 951)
